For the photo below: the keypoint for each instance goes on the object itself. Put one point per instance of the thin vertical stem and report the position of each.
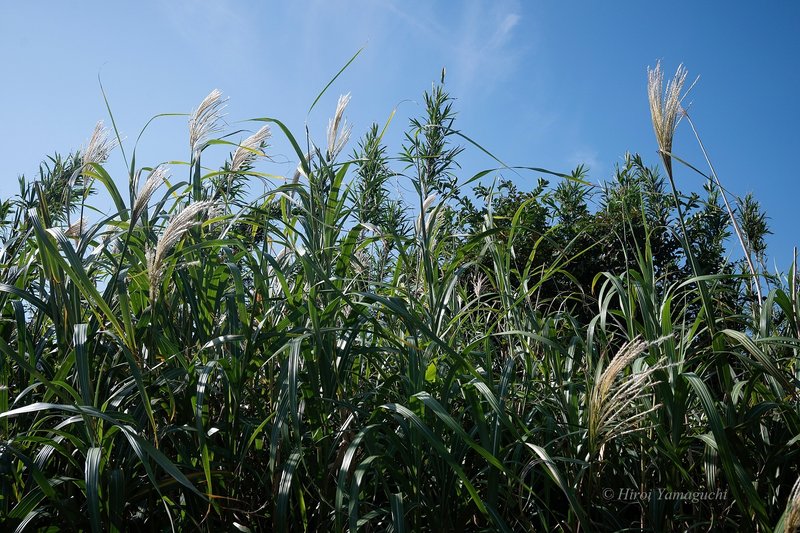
(756, 280)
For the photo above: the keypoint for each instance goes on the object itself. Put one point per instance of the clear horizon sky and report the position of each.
(545, 84)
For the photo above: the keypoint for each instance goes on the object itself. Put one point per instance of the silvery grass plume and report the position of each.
(791, 523)
(665, 108)
(250, 149)
(173, 233)
(612, 402)
(338, 139)
(99, 147)
(204, 122)
(478, 280)
(156, 178)
(95, 153)
(76, 229)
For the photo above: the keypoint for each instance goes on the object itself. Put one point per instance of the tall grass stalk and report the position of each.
(756, 278)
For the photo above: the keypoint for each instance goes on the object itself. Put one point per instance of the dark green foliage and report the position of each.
(428, 147)
(603, 229)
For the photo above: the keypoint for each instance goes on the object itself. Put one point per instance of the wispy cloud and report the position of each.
(422, 24)
(588, 157)
(484, 53)
(215, 17)
(503, 31)
(476, 41)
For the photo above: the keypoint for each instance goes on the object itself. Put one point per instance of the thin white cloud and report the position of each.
(475, 40)
(504, 30)
(485, 54)
(422, 24)
(202, 22)
(589, 158)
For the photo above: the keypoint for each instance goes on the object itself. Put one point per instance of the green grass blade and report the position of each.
(93, 458)
(333, 80)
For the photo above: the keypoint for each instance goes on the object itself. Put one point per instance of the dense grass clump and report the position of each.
(332, 356)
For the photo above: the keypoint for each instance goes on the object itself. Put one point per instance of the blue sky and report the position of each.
(547, 84)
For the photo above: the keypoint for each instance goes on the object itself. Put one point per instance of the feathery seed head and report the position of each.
(792, 522)
(99, 146)
(624, 357)
(336, 139)
(156, 177)
(611, 402)
(173, 233)
(250, 149)
(76, 229)
(665, 107)
(204, 122)
(478, 279)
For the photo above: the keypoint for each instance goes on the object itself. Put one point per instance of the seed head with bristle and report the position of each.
(99, 146)
(665, 108)
(612, 402)
(338, 139)
(173, 233)
(204, 122)
(156, 177)
(792, 521)
(478, 280)
(76, 229)
(250, 149)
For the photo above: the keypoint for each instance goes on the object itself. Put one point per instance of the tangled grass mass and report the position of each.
(329, 355)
